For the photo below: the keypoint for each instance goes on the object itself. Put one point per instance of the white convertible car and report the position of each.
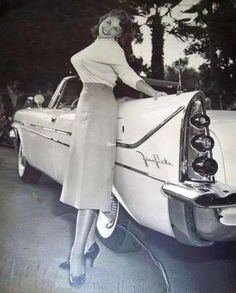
(175, 166)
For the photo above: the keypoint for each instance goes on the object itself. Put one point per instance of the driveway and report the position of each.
(36, 234)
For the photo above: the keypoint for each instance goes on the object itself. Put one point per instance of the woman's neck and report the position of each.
(109, 39)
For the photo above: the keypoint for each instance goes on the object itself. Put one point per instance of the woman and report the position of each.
(89, 174)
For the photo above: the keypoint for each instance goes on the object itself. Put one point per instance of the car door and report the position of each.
(64, 113)
(42, 147)
(39, 137)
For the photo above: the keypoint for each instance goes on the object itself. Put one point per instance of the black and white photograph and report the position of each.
(117, 146)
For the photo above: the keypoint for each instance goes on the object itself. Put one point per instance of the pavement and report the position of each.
(195, 269)
(36, 234)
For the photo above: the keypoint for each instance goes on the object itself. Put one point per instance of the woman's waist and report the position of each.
(97, 86)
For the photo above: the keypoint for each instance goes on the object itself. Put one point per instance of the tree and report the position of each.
(37, 38)
(6, 5)
(154, 11)
(189, 76)
(213, 37)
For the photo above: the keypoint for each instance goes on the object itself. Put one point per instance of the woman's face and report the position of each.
(110, 28)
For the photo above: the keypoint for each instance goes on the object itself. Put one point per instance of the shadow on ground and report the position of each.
(36, 234)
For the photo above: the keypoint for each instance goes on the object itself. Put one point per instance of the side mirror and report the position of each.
(39, 99)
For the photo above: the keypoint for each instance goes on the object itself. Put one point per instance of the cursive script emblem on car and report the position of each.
(154, 159)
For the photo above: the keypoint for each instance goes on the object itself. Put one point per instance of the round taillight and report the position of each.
(202, 143)
(205, 166)
(200, 121)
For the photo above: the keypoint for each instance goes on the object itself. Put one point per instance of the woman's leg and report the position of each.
(85, 219)
(91, 236)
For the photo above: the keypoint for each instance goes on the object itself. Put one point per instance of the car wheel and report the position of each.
(117, 230)
(26, 172)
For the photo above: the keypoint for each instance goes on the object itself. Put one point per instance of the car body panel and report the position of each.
(63, 125)
(38, 131)
(148, 162)
(223, 125)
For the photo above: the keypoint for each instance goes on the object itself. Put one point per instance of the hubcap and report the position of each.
(107, 220)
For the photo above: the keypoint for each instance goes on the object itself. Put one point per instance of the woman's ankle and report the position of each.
(89, 245)
(77, 265)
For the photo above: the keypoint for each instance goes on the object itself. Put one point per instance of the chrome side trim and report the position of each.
(118, 144)
(116, 163)
(138, 171)
(17, 122)
(49, 129)
(45, 136)
(42, 127)
(150, 133)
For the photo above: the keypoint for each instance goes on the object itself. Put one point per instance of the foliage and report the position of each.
(189, 76)
(213, 37)
(152, 10)
(38, 38)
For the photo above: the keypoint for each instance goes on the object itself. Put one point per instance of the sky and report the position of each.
(173, 47)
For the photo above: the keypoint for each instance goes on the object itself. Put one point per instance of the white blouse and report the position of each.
(102, 62)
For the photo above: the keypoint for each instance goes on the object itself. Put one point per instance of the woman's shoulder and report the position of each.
(77, 55)
(73, 57)
(108, 43)
(101, 50)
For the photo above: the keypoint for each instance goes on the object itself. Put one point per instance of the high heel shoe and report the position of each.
(76, 281)
(92, 253)
(65, 265)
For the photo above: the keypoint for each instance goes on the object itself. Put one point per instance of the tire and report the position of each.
(117, 230)
(26, 172)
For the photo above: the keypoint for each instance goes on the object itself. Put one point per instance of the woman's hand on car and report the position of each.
(158, 94)
(142, 86)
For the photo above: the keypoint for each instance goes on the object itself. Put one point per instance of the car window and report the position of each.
(70, 93)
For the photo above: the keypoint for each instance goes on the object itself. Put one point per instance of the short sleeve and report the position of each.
(124, 71)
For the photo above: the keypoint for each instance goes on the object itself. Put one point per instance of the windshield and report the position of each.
(70, 93)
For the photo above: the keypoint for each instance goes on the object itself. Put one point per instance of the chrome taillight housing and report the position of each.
(205, 166)
(202, 142)
(200, 121)
(196, 162)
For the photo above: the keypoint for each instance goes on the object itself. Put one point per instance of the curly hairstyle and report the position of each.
(125, 22)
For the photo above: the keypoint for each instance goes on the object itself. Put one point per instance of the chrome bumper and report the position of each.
(215, 195)
(199, 213)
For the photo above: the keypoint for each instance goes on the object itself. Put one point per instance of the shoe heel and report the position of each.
(65, 265)
(92, 253)
(91, 261)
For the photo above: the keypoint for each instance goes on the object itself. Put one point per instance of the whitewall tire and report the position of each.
(26, 172)
(117, 230)
(106, 222)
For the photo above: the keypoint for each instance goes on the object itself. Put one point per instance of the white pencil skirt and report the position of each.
(91, 161)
